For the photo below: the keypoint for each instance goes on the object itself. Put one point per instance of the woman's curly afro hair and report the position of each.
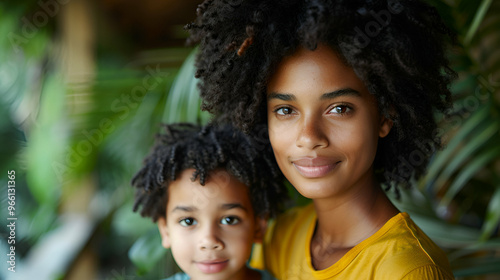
(396, 47)
(206, 149)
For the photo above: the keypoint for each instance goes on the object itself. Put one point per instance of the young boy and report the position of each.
(210, 189)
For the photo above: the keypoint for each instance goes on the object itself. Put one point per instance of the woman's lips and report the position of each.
(314, 167)
(212, 266)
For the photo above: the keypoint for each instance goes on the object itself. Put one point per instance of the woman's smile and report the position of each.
(314, 167)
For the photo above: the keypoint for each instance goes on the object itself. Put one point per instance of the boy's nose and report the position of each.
(210, 241)
(311, 135)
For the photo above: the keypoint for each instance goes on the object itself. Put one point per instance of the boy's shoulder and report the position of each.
(183, 276)
(178, 276)
(265, 275)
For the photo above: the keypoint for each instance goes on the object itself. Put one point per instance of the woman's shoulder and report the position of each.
(294, 226)
(406, 231)
(297, 214)
(412, 249)
(294, 220)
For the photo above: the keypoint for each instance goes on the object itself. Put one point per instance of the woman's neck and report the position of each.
(346, 220)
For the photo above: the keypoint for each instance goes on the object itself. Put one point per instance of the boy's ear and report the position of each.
(162, 227)
(385, 126)
(260, 229)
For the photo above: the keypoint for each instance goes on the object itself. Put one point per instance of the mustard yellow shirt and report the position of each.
(398, 250)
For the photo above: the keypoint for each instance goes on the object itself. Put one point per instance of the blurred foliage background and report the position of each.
(84, 86)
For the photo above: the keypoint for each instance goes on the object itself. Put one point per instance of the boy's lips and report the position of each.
(212, 266)
(314, 167)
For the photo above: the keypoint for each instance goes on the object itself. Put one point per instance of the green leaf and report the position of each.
(442, 157)
(492, 215)
(466, 151)
(125, 222)
(476, 266)
(483, 247)
(147, 251)
(467, 172)
(446, 235)
(47, 166)
(183, 102)
(478, 18)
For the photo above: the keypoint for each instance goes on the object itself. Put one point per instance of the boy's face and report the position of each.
(324, 125)
(210, 229)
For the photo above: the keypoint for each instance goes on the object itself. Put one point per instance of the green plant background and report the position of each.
(70, 143)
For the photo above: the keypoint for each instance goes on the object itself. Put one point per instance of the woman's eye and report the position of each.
(340, 109)
(186, 222)
(284, 111)
(230, 220)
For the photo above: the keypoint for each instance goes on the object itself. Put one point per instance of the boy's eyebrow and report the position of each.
(229, 206)
(340, 92)
(328, 95)
(184, 209)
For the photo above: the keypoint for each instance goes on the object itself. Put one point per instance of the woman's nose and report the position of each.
(311, 134)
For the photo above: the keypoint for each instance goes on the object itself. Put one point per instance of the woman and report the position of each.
(347, 89)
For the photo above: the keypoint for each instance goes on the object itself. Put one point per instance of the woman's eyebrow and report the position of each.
(281, 96)
(340, 92)
(328, 95)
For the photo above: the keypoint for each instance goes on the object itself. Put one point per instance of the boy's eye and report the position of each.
(230, 220)
(186, 222)
(284, 111)
(340, 109)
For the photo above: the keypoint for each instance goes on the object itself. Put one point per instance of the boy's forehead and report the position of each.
(219, 177)
(220, 187)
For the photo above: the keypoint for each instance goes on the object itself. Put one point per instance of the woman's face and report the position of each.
(324, 125)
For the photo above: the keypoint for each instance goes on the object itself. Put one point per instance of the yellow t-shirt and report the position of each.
(398, 250)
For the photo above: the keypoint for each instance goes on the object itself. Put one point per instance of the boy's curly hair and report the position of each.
(205, 149)
(396, 47)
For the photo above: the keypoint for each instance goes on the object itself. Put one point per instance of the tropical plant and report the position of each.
(462, 186)
(75, 145)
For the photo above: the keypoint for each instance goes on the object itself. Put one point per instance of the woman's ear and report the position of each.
(165, 237)
(385, 126)
(260, 229)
